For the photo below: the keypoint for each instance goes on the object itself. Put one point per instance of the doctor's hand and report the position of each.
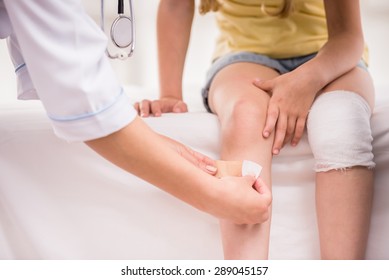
(242, 200)
(291, 97)
(146, 107)
(245, 200)
(201, 161)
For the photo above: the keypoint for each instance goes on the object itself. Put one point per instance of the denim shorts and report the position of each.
(282, 66)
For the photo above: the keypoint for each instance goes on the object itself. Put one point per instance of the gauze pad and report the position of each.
(251, 168)
(339, 131)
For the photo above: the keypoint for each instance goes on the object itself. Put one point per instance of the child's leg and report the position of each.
(344, 201)
(340, 137)
(241, 109)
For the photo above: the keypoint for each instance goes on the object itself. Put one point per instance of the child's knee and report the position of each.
(339, 131)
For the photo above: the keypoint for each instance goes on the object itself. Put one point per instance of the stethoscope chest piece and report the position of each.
(121, 34)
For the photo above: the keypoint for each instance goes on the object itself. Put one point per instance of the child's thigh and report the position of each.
(358, 81)
(234, 85)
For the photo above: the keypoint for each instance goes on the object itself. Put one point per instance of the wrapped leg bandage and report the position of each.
(339, 131)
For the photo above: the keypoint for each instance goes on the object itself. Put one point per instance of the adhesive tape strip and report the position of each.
(251, 168)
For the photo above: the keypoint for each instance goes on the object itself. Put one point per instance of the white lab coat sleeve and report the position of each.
(64, 54)
(25, 87)
(5, 24)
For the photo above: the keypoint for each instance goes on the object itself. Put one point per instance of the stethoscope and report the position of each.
(122, 31)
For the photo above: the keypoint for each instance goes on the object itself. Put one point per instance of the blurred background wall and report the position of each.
(141, 69)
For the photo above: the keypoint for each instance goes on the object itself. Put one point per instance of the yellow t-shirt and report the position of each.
(246, 26)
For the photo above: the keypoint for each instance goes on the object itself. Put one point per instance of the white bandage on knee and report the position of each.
(339, 131)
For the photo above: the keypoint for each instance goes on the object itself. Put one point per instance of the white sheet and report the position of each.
(62, 201)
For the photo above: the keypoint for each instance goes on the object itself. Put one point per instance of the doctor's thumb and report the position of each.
(249, 180)
(261, 187)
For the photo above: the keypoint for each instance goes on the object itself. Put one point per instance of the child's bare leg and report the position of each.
(241, 109)
(343, 197)
(344, 200)
(247, 241)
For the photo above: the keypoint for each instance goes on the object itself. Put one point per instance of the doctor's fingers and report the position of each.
(203, 162)
(259, 202)
(261, 187)
(240, 203)
(199, 160)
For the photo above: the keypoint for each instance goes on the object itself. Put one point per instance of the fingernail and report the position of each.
(276, 151)
(211, 168)
(266, 134)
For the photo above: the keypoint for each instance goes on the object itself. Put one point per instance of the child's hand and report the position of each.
(146, 107)
(291, 99)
